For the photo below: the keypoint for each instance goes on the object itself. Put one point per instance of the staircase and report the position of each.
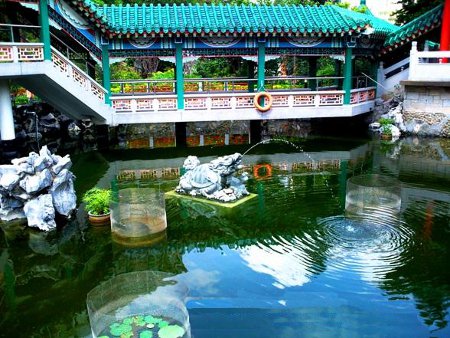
(59, 82)
(390, 77)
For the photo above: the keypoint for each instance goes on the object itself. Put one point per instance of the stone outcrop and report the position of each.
(37, 187)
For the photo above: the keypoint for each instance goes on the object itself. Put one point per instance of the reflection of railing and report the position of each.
(429, 66)
(236, 101)
(33, 52)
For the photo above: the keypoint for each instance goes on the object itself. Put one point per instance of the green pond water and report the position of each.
(287, 263)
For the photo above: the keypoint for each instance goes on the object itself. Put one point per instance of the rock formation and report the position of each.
(36, 187)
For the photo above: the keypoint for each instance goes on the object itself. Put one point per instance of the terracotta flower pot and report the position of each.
(98, 220)
(385, 136)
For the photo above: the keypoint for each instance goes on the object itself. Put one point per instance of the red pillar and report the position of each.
(445, 29)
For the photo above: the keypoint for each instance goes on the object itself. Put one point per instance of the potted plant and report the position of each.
(97, 205)
(386, 128)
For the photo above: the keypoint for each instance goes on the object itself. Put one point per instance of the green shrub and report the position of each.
(386, 125)
(20, 99)
(97, 201)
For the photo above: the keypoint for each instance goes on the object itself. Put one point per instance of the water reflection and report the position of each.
(290, 254)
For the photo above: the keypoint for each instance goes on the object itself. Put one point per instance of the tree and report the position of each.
(414, 8)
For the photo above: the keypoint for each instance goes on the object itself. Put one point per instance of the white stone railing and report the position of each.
(236, 101)
(34, 52)
(72, 71)
(21, 52)
(428, 66)
(362, 95)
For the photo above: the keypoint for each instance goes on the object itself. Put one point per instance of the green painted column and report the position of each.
(261, 65)
(179, 76)
(106, 72)
(312, 72)
(45, 28)
(348, 73)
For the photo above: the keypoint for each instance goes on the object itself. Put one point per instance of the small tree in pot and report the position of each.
(97, 205)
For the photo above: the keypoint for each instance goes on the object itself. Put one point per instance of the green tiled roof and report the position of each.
(417, 27)
(381, 27)
(228, 19)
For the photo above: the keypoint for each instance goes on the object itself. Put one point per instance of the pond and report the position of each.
(288, 263)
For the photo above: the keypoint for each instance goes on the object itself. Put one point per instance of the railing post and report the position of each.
(348, 70)
(413, 59)
(45, 28)
(106, 71)
(317, 100)
(179, 76)
(15, 54)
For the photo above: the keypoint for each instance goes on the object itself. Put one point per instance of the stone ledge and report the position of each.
(425, 83)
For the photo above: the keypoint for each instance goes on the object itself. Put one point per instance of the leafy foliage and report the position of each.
(386, 125)
(97, 201)
(413, 8)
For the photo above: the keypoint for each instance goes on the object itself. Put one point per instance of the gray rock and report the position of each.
(9, 203)
(63, 163)
(9, 180)
(20, 194)
(25, 168)
(19, 161)
(40, 213)
(12, 214)
(37, 182)
(44, 160)
(64, 198)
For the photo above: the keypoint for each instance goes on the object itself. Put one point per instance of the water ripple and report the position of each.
(372, 246)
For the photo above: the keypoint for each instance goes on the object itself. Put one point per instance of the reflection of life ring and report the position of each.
(267, 171)
(268, 104)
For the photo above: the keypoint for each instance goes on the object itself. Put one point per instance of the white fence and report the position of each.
(429, 66)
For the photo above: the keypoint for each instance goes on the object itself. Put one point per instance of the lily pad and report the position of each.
(146, 334)
(163, 323)
(128, 321)
(128, 334)
(119, 329)
(171, 331)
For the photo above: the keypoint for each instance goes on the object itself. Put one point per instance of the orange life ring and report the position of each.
(268, 171)
(267, 106)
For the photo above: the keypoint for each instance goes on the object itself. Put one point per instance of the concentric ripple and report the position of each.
(372, 246)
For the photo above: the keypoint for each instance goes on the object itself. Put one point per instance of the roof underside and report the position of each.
(182, 20)
(414, 29)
